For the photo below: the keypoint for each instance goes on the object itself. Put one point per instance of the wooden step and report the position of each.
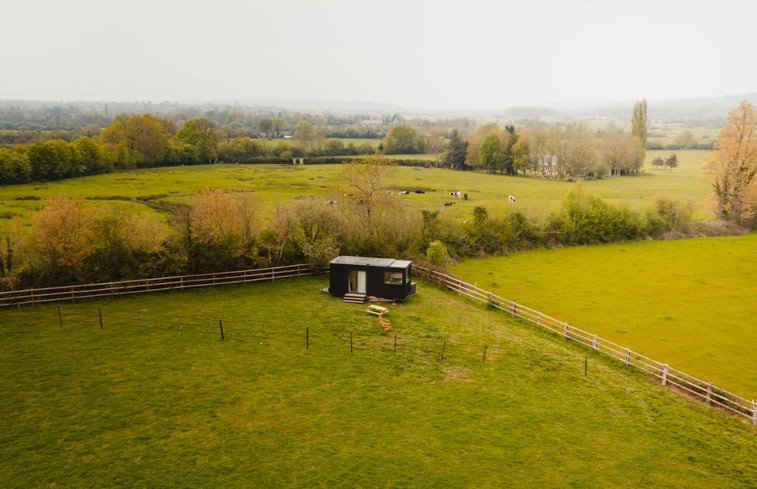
(354, 298)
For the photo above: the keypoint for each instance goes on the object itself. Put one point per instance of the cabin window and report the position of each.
(394, 278)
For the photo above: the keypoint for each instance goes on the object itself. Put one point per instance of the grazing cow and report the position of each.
(448, 204)
(456, 194)
(511, 198)
(331, 203)
(404, 192)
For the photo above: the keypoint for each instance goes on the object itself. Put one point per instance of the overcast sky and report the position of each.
(462, 54)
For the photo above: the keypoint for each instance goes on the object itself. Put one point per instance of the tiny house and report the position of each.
(380, 277)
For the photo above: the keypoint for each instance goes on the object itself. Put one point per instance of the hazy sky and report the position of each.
(473, 54)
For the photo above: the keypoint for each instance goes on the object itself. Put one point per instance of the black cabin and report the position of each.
(380, 277)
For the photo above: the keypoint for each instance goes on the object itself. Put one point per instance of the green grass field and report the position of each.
(536, 197)
(142, 403)
(689, 303)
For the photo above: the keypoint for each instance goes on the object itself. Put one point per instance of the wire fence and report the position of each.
(179, 282)
(418, 350)
(668, 376)
(699, 389)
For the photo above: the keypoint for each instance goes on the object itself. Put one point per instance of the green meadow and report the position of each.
(156, 399)
(146, 190)
(689, 303)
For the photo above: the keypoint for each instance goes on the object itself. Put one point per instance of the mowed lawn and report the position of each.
(690, 303)
(157, 399)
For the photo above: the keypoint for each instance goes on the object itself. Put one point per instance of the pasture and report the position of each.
(689, 303)
(156, 398)
(146, 190)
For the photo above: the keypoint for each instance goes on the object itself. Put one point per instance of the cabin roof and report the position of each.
(370, 262)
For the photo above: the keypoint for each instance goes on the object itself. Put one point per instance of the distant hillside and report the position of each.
(704, 109)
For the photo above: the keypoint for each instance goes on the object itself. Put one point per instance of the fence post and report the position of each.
(350, 341)
(307, 338)
(565, 330)
(441, 355)
(628, 357)
(513, 309)
(538, 320)
(595, 343)
(665, 374)
(483, 362)
(60, 318)
(73, 295)
(395, 345)
(100, 314)
(220, 325)
(586, 365)
(491, 299)
(754, 413)
(709, 393)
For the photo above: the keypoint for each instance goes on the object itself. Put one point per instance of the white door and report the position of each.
(360, 282)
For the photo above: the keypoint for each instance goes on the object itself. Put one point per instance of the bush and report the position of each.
(437, 253)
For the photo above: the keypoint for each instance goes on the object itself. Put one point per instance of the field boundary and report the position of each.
(687, 384)
(141, 286)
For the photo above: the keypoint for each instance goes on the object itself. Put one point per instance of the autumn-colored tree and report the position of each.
(735, 163)
(621, 152)
(62, 235)
(222, 229)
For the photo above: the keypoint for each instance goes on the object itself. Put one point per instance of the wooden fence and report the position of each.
(179, 282)
(668, 376)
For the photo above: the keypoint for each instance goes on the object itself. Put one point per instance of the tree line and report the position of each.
(74, 241)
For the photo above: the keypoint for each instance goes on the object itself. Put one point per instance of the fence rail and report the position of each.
(179, 282)
(668, 376)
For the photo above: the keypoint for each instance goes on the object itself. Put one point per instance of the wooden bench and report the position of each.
(377, 310)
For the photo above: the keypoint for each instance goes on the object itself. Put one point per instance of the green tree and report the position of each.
(402, 139)
(50, 160)
(202, 134)
(91, 157)
(490, 153)
(639, 121)
(639, 128)
(14, 166)
(454, 156)
(437, 253)
(671, 161)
